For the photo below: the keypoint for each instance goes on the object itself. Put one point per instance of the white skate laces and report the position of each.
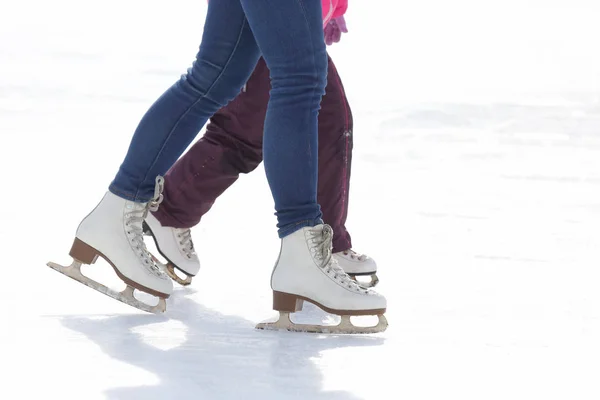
(185, 241)
(134, 223)
(322, 251)
(354, 255)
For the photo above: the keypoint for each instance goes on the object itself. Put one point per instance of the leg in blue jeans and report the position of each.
(290, 37)
(298, 79)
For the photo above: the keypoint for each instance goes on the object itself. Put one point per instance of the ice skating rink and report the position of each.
(475, 186)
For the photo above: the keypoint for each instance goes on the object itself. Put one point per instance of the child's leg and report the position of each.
(335, 158)
(231, 145)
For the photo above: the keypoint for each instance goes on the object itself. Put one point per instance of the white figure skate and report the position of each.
(307, 271)
(176, 246)
(113, 231)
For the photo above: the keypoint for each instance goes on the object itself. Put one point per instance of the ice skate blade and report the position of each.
(73, 271)
(170, 270)
(372, 283)
(345, 327)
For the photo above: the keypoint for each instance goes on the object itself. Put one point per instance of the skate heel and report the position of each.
(83, 252)
(286, 302)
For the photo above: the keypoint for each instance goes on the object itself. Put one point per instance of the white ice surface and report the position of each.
(475, 186)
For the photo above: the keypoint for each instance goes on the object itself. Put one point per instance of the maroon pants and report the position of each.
(232, 145)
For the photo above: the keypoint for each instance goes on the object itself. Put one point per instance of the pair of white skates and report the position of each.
(305, 271)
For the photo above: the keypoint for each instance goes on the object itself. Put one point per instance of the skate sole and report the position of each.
(73, 271)
(87, 254)
(82, 253)
(345, 327)
(287, 303)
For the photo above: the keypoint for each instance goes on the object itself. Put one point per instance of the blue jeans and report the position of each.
(289, 35)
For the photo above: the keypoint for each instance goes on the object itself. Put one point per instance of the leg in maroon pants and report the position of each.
(232, 145)
(335, 158)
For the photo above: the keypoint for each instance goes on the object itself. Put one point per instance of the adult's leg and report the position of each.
(306, 268)
(293, 47)
(113, 230)
(227, 56)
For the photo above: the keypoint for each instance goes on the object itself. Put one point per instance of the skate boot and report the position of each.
(113, 231)
(176, 246)
(355, 265)
(307, 271)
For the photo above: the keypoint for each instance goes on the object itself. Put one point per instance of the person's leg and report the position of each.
(306, 268)
(294, 50)
(228, 54)
(231, 145)
(335, 161)
(113, 230)
(335, 158)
